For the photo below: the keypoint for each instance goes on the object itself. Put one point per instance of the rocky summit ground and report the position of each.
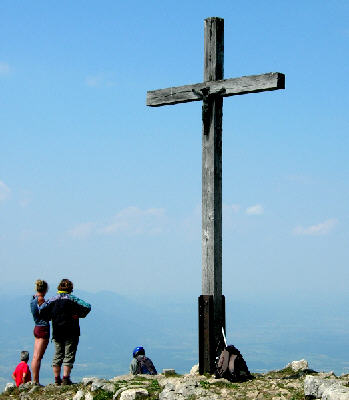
(274, 385)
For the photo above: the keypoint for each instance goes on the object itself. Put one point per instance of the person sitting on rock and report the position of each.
(22, 372)
(141, 364)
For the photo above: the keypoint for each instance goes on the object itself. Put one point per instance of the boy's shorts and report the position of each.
(65, 351)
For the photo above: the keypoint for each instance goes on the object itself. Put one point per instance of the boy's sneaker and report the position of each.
(58, 381)
(66, 381)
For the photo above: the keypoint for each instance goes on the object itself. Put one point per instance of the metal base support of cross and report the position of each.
(211, 93)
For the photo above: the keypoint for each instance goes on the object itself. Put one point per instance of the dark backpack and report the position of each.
(145, 366)
(232, 366)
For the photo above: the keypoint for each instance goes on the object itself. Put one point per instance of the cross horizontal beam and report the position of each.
(224, 88)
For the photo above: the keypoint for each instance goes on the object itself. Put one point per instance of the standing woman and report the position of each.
(41, 329)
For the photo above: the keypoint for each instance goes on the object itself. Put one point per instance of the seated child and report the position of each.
(22, 372)
(141, 364)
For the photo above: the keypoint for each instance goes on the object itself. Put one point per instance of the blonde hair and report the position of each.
(41, 286)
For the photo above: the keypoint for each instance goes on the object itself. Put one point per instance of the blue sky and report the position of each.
(97, 187)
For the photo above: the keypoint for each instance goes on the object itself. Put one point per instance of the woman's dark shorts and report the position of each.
(42, 332)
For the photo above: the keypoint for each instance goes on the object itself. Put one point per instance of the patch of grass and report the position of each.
(281, 386)
(67, 388)
(139, 378)
(226, 385)
(298, 395)
(102, 395)
(154, 385)
(205, 384)
(280, 373)
(118, 386)
(172, 375)
(286, 373)
(267, 396)
(208, 385)
(154, 389)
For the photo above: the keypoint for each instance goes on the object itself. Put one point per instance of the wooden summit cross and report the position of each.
(211, 93)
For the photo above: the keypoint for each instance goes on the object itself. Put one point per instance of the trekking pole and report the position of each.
(218, 350)
(224, 338)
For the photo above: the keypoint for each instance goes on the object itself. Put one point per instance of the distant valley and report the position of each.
(269, 335)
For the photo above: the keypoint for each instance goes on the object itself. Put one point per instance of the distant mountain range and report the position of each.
(268, 334)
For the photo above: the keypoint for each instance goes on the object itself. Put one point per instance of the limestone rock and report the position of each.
(108, 387)
(325, 389)
(34, 389)
(312, 386)
(79, 395)
(90, 379)
(182, 389)
(273, 385)
(97, 384)
(25, 386)
(215, 381)
(126, 378)
(337, 393)
(116, 394)
(300, 365)
(9, 387)
(194, 370)
(134, 394)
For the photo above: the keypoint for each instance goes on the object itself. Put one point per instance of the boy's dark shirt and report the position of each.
(64, 310)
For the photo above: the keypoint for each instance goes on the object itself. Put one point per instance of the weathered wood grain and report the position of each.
(225, 88)
(213, 49)
(212, 165)
(212, 189)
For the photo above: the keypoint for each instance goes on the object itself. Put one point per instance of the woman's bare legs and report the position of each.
(39, 351)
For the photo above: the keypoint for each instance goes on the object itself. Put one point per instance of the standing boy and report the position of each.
(64, 310)
(22, 372)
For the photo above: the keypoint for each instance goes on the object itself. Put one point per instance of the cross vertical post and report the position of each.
(211, 318)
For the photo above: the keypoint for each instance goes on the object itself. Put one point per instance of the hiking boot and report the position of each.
(66, 381)
(58, 381)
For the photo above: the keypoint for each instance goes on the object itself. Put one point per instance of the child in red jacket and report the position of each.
(22, 372)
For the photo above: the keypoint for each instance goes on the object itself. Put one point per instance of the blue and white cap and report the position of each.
(137, 350)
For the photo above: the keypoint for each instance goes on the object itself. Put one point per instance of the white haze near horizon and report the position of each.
(269, 333)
